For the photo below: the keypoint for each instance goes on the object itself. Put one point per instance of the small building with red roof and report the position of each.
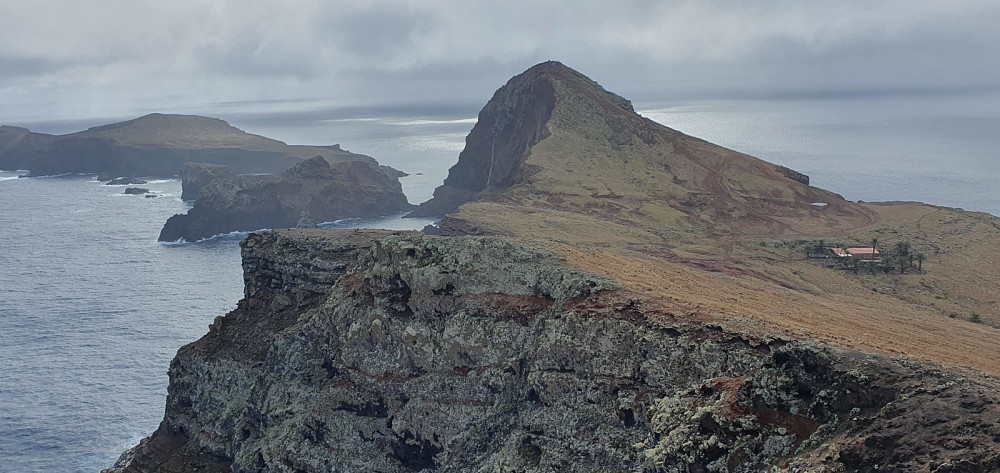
(864, 253)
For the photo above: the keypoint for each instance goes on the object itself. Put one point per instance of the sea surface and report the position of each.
(92, 308)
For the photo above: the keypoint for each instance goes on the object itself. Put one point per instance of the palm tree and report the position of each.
(874, 243)
(920, 261)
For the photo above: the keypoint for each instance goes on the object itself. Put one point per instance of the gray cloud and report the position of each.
(123, 57)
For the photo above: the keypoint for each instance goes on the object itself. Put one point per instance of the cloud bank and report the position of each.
(123, 57)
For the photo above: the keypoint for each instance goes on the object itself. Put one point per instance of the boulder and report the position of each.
(125, 181)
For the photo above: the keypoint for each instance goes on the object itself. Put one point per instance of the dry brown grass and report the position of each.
(759, 284)
(700, 231)
(853, 318)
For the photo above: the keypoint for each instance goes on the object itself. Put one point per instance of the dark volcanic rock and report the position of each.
(326, 192)
(511, 123)
(195, 176)
(19, 147)
(125, 181)
(136, 190)
(794, 175)
(397, 352)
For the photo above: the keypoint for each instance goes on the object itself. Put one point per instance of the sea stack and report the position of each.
(325, 191)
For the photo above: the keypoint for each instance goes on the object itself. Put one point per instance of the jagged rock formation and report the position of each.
(155, 145)
(327, 192)
(195, 176)
(399, 352)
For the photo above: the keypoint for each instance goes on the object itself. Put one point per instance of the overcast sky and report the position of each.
(119, 58)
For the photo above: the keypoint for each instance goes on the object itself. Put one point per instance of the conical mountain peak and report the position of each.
(512, 122)
(553, 140)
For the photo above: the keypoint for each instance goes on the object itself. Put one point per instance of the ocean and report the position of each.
(92, 308)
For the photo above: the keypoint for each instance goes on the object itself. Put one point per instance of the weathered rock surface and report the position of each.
(136, 191)
(401, 352)
(195, 176)
(326, 192)
(155, 145)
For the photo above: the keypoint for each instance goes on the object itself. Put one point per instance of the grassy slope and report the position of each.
(196, 132)
(700, 231)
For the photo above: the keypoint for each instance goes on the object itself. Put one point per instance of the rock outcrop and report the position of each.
(195, 176)
(400, 352)
(156, 145)
(124, 181)
(326, 192)
(513, 121)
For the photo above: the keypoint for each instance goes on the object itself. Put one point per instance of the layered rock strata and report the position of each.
(401, 352)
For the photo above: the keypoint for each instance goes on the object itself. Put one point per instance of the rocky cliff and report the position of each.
(156, 145)
(312, 187)
(19, 147)
(195, 176)
(513, 121)
(398, 352)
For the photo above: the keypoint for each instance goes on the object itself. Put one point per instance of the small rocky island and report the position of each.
(324, 191)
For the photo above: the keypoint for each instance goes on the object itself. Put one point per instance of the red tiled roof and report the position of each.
(862, 251)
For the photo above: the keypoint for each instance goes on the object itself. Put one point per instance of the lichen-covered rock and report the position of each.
(400, 352)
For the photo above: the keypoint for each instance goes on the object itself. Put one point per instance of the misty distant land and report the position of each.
(155, 145)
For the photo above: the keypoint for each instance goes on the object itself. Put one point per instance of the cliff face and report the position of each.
(195, 176)
(19, 147)
(155, 145)
(396, 352)
(508, 126)
(323, 191)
